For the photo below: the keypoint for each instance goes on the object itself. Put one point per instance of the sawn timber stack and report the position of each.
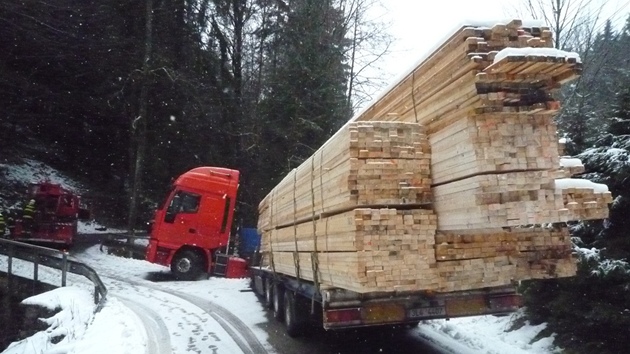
(445, 181)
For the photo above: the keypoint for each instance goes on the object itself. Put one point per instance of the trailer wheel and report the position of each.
(278, 302)
(294, 316)
(268, 293)
(187, 265)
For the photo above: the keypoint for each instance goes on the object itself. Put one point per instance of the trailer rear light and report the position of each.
(343, 317)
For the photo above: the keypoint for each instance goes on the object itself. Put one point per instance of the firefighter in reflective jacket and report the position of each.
(27, 216)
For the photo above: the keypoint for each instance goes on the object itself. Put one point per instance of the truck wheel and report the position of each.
(278, 302)
(252, 285)
(294, 316)
(268, 293)
(187, 265)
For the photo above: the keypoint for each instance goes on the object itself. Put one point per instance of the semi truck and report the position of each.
(191, 228)
(191, 231)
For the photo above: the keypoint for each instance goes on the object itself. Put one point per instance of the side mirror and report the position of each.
(170, 217)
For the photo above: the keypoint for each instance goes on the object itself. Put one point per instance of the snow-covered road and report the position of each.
(144, 313)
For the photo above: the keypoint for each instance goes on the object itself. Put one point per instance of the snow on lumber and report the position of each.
(570, 162)
(568, 183)
(536, 52)
(571, 166)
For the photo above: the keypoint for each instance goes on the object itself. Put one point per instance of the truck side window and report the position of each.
(182, 202)
(190, 202)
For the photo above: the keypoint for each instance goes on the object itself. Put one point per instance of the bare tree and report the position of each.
(369, 42)
(576, 25)
(573, 22)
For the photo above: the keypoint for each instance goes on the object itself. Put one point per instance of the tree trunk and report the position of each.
(139, 126)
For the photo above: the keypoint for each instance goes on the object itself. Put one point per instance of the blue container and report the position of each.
(249, 241)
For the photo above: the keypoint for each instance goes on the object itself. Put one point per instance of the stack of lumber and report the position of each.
(493, 142)
(583, 199)
(453, 201)
(353, 212)
(486, 98)
(495, 257)
(361, 250)
(499, 200)
(364, 164)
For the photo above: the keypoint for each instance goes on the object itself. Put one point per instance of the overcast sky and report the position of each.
(420, 25)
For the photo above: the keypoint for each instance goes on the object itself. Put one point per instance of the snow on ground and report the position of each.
(486, 334)
(117, 329)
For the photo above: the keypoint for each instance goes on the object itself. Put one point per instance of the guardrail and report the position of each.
(52, 258)
(116, 243)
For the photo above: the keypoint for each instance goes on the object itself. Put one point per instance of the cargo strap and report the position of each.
(413, 95)
(273, 202)
(296, 254)
(314, 257)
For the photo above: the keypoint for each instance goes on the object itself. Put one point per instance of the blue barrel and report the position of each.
(249, 242)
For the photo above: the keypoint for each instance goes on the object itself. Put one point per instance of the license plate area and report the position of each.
(424, 312)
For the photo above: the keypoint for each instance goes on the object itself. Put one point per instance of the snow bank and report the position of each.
(487, 334)
(115, 329)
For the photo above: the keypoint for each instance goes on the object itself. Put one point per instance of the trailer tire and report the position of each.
(187, 265)
(278, 302)
(268, 293)
(294, 317)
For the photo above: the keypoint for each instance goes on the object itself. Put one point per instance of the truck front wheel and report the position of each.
(187, 265)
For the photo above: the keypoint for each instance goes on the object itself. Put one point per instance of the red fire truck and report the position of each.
(191, 228)
(55, 218)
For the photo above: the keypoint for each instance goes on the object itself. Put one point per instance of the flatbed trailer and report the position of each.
(298, 303)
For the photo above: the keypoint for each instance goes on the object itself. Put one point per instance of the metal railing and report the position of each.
(117, 243)
(54, 259)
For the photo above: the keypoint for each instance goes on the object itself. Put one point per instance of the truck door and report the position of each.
(214, 219)
(181, 222)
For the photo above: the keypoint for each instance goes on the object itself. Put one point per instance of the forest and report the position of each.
(129, 94)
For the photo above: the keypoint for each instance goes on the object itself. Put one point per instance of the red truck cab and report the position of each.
(194, 221)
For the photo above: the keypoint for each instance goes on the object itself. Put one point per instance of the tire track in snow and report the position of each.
(242, 335)
(159, 338)
(248, 342)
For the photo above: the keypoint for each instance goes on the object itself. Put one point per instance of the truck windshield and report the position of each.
(168, 194)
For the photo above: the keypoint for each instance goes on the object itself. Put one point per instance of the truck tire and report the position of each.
(278, 302)
(187, 265)
(268, 293)
(295, 318)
